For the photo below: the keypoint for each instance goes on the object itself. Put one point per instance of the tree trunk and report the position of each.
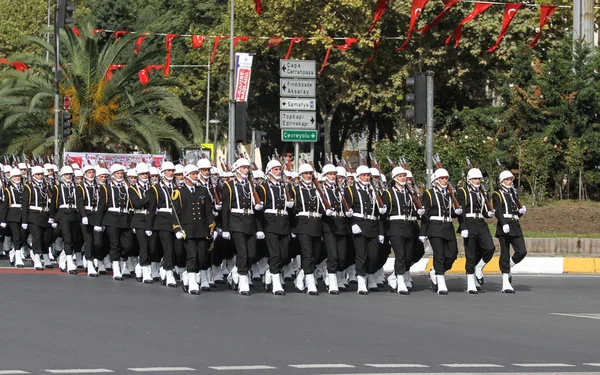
(327, 116)
(580, 186)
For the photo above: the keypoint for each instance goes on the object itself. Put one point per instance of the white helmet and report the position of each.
(329, 168)
(506, 174)
(54, 168)
(179, 169)
(116, 168)
(272, 164)
(341, 171)
(22, 166)
(142, 168)
(374, 172)
(66, 170)
(14, 172)
(204, 164)
(131, 172)
(241, 162)
(409, 174)
(474, 173)
(433, 176)
(102, 171)
(305, 168)
(189, 169)
(295, 175)
(78, 173)
(363, 169)
(441, 172)
(258, 174)
(398, 170)
(167, 166)
(154, 171)
(75, 166)
(7, 168)
(88, 167)
(214, 170)
(37, 170)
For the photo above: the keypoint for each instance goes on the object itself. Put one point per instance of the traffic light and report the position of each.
(321, 132)
(417, 99)
(241, 122)
(66, 125)
(64, 13)
(260, 138)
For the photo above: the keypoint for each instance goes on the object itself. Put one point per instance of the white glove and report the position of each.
(97, 229)
(522, 210)
(458, 211)
(133, 230)
(258, 207)
(84, 221)
(260, 235)
(54, 225)
(50, 221)
(218, 207)
(219, 231)
(422, 238)
(464, 233)
(2, 225)
(356, 229)
(148, 233)
(329, 212)
(215, 235)
(226, 235)
(506, 228)
(179, 235)
(382, 210)
(289, 204)
(293, 235)
(103, 228)
(421, 211)
(349, 213)
(491, 213)
(381, 238)
(24, 226)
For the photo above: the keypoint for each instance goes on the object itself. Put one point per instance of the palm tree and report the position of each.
(109, 114)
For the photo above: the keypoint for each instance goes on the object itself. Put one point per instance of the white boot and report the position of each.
(512, 264)
(170, 279)
(244, 286)
(268, 279)
(78, 260)
(50, 254)
(299, 282)
(154, 266)
(380, 278)
(131, 263)
(62, 261)
(277, 286)
(204, 283)
(393, 282)
(125, 271)
(37, 263)
(229, 264)
(311, 286)
(19, 259)
(71, 267)
(218, 275)
(107, 263)
(326, 279)
(91, 269)
(185, 281)
(233, 278)
(11, 256)
(479, 271)
(333, 284)
(139, 273)
(433, 279)
(116, 269)
(47, 262)
(255, 272)
(147, 274)
(193, 284)
(162, 276)
(101, 267)
(471, 285)
(401, 285)
(372, 281)
(506, 287)
(408, 281)
(351, 271)
(362, 285)
(288, 272)
(441, 283)
(341, 281)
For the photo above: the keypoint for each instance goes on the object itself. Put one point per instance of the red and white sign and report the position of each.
(67, 102)
(242, 76)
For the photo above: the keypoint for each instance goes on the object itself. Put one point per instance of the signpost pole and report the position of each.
(296, 155)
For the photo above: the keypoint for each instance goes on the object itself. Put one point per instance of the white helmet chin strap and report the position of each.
(276, 178)
(331, 181)
(89, 179)
(474, 184)
(506, 186)
(143, 179)
(168, 178)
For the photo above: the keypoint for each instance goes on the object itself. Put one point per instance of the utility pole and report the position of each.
(231, 133)
(430, 125)
(583, 21)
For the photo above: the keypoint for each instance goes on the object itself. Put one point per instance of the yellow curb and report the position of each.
(581, 265)
(458, 268)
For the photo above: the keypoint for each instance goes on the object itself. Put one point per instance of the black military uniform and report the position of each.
(335, 230)
(307, 224)
(160, 219)
(507, 213)
(91, 203)
(63, 210)
(139, 197)
(116, 221)
(12, 215)
(36, 212)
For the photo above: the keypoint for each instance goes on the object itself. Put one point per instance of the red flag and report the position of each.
(258, 6)
(348, 42)
(292, 42)
(477, 10)
(109, 72)
(375, 48)
(415, 12)
(274, 42)
(379, 11)
(169, 44)
(20, 66)
(144, 78)
(509, 13)
(238, 39)
(325, 60)
(76, 31)
(120, 33)
(138, 44)
(96, 31)
(217, 39)
(447, 6)
(197, 41)
(545, 14)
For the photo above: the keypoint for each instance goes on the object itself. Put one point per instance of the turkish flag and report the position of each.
(376, 44)
(144, 76)
(325, 60)
(545, 13)
(120, 33)
(348, 42)
(379, 11)
(111, 68)
(258, 6)
(169, 44)
(138, 44)
(447, 6)
(292, 42)
(217, 39)
(415, 12)
(478, 9)
(274, 42)
(510, 11)
(238, 39)
(197, 41)
(76, 31)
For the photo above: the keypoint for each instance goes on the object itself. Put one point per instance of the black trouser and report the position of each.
(196, 250)
(92, 242)
(477, 247)
(350, 252)
(310, 247)
(41, 238)
(166, 240)
(72, 237)
(145, 244)
(403, 249)
(180, 259)
(18, 235)
(367, 252)
(444, 254)
(418, 249)
(294, 250)
(336, 251)
(278, 246)
(518, 244)
(384, 252)
(245, 246)
(121, 240)
(219, 251)
(262, 249)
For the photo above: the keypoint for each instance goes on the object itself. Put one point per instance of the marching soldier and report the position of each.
(419, 248)
(438, 228)
(508, 231)
(472, 226)
(11, 215)
(104, 264)
(35, 215)
(194, 223)
(204, 180)
(145, 237)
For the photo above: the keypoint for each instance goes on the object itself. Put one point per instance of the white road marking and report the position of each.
(80, 371)
(395, 365)
(468, 373)
(323, 365)
(592, 364)
(543, 365)
(10, 372)
(468, 365)
(588, 316)
(242, 368)
(160, 369)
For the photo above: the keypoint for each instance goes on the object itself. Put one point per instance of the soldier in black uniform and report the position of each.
(11, 217)
(35, 215)
(204, 180)
(365, 228)
(508, 230)
(146, 238)
(116, 221)
(418, 249)
(91, 204)
(194, 223)
(472, 226)
(104, 264)
(63, 210)
(239, 221)
(438, 228)
(275, 223)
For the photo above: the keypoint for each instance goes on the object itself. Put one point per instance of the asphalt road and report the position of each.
(65, 322)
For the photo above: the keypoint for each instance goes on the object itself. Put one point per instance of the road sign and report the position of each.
(297, 120)
(298, 87)
(66, 102)
(290, 135)
(297, 68)
(298, 104)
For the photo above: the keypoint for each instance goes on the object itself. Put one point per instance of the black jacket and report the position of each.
(194, 211)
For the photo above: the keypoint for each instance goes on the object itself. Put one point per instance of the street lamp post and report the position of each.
(231, 133)
(215, 124)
